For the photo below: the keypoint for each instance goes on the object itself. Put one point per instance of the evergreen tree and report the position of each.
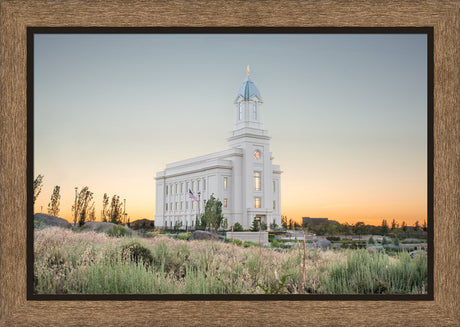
(53, 206)
(255, 225)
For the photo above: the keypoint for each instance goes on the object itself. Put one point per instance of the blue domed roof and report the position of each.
(248, 89)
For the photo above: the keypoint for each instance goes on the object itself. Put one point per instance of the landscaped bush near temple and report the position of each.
(87, 262)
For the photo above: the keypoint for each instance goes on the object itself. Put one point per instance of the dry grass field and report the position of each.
(69, 262)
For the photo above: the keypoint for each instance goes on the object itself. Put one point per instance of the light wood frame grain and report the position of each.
(444, 16)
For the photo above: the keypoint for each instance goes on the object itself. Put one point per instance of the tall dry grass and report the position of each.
(91, 263)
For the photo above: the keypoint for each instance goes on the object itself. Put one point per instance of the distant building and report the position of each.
(318, 221)
(243, 177)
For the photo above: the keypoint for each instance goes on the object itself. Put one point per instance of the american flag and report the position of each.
(191, 196)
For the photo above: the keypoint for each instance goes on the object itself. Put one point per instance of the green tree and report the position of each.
(105, 207)
(92, 213)
(115, 210)
(404, 226)
(359, 228)
(417, 226)
(284, 221)
(53, 206)
(394, 225)
(255, 225)
(37, 186)
(84, 205)
(384, 228)
(371, 240)
(424, 227)
(237, 227)
(212, 216)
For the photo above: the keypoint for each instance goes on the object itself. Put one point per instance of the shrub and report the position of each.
(237, 227)
(137, 252)
(183, 236)
(246, 244)
(371, 240)
(333, 238)
(385, 241)
(39, 225)
(396, 241)
(237, 242)
(275, 244)
(116, 231)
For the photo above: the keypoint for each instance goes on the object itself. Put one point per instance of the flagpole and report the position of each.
(199, 194)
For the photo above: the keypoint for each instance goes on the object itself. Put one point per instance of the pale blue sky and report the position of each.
(347, 115)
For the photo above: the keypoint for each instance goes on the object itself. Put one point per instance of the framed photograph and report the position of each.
(195, 177)
(104, 96)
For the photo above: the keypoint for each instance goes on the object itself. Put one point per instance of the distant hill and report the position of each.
(49, 220)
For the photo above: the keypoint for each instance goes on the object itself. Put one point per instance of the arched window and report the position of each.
(241, 111)
(254, 111)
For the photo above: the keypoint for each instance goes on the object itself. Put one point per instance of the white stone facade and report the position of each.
(242, 177)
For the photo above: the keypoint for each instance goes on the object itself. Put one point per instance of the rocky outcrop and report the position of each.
(142, 223)
(49, 220)
(323, 244)
(204, 235)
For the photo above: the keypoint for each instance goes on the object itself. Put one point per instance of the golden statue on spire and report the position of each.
(247, 69)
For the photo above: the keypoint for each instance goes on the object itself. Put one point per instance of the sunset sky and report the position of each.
(347, 115)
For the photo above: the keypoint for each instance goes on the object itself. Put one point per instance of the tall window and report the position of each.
(166, 207)
(274, 186)
(257, 202)
(166, 189)
(225, 183)
(182, 187)
(198, 185)
(186, 187)
(254, 111)
(204, 184)
(241, 111)
(257, 181)
(274, 204)
(193, 186)
(225, 203)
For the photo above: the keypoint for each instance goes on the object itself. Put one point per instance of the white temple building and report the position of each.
(242, 177)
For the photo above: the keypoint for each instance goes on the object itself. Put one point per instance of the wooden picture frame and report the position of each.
(16, 16)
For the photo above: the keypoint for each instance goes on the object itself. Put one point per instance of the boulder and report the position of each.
(99, 226)
(142, 223)
(323, 244)
(49, 220)
(287, 245)
(204, 235)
